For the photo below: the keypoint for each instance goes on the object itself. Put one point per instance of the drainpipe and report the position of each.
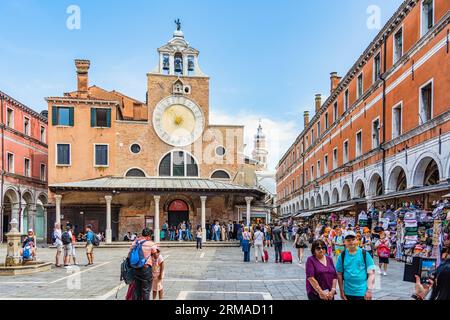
(303, 170)
(383, 163)
(3, 169)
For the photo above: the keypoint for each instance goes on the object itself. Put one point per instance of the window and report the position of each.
(101, 155)
(62, 116)
(63, 154)
(359, 144)
(43, 134)
(178, 164)
(10, 117)
(426, 103)
(427, 16)
(335, 158)
(360, 89)
(318, 130)
(346, 100)
(325, 165)
(306, 176)
(376, 134)
(335, 112)
(326, 121)
(26, 168)
(26, 126)
(312, 173)
(345, 152)
(377, 68)
(312, 136)
(396, 121)
(135, 148)
(221, 175)
(100, 118)
(10, 162)
(318, 169)
(43, 172)
(398, 45)
(135, 173)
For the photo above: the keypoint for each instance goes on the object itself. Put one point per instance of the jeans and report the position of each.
(189, 235)
(172, 235)
(143, 279)
(180, 235)
(217, 235)
(208, 233)
(278, 249)
(230, 235)
(247, 256)
(199, 243)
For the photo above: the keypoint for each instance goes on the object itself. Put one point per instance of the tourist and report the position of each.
(165, 229)
(300, 243)
(208, 230)
(199, 237)
(318, 231)
(188, 231)
(438, 288)
(236, 227)
(239, 234)
(246, 237)
(377, 231)
(127, 236)
(157, 274)
(180, 232)
(355, 282)
(383, 251)
(217, 231)
(338, 242)
(67, 242)
(28, 251)
(320, 273)
(133, 236)
(367, 242)
(143, 276)
(73, 253)
(56, 239)
(267, 233)
(223, 232)
(325, 237)
(230, 228)
(258, 241)
(90, 245)
(278, 240)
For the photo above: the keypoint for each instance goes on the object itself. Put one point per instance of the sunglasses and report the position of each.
(321, 248)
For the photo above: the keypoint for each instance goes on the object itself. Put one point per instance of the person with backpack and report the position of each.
(338, 242)
(29, 247)
(300, 243)
(356, 271)
(140, 259)
(384, 252)
(366, 242)
(66, 239)
(278, 240)
(56, 241)
(91, 240)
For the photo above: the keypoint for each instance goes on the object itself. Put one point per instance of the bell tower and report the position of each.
(260, 151)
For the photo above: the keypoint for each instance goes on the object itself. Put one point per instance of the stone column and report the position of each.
(58, 198)
(22, 209)
(249, 201)
(203, 199)
(156, 231)
(269, 217)
(45, 225)
(171, 64)
(108, 219)
(31, 217)
(15, 213)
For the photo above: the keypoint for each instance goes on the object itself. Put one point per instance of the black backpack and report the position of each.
(65, 238)
(96, 241)
(126, 271)
(364, 252)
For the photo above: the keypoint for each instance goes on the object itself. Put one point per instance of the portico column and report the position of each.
(31, 217)
(22, 209)
(249, 201)
(157, 238)
(58, 198)
(15, 212)
(203, 199)
(108, 219)
(269, 218)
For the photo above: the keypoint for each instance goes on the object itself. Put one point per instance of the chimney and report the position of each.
(334, 80)
(82, 75)
(318, 102)
(306, 118)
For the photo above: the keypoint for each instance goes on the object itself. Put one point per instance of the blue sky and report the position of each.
(266, 59)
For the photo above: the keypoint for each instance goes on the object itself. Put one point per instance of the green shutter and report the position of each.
(54, 116)
(108, 118)
(93, 117)
(71, 115)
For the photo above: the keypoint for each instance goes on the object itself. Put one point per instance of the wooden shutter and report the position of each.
(93, 117)
(71, 117)
(54, 116)
(108, 118)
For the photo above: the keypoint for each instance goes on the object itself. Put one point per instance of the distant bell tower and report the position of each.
(260, 151)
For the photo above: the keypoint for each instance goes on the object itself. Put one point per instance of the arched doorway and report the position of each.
(360, 191)
(397, 180)
(178, 212)
(426, 173)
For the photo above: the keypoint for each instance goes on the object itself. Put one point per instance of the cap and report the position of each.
(30, 230)
(349, 233)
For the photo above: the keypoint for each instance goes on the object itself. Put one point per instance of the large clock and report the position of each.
(178, 121)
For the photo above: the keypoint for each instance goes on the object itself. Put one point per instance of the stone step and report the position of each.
(167, 244)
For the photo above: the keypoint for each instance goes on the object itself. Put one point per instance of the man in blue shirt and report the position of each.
(356, 275)
(90, 245)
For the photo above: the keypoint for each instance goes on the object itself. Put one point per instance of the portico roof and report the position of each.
(157, 184)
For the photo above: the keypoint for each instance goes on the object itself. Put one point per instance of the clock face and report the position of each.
(178, 121)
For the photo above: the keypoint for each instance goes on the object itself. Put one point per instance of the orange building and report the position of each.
(382, 136)
(121, 164)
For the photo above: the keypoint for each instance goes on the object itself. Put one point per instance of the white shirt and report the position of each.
(258, 238)
(58, 235)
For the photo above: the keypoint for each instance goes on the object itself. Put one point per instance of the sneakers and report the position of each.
(384, 273)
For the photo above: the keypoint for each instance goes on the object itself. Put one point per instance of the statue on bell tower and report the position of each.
(178, 23)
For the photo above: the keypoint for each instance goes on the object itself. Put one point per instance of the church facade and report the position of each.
(121, 164)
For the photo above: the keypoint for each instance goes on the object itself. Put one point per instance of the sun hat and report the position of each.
(349, 234)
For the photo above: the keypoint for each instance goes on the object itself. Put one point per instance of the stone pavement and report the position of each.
(213, 273)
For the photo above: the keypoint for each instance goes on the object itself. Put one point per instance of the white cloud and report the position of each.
(280, 134)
